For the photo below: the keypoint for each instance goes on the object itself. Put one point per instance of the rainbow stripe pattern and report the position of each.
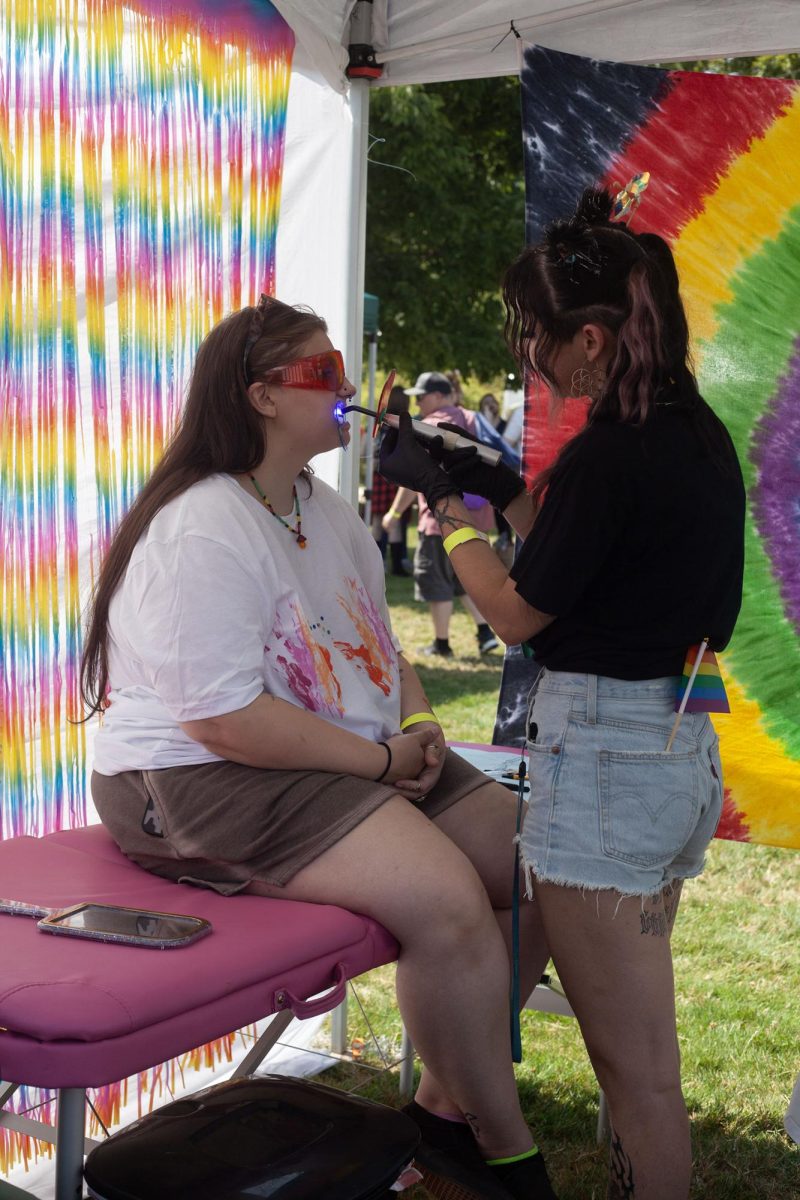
(725, 191)
(141, 150)
(707, 693)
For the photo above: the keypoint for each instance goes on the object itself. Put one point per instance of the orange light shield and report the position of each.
(380, 412)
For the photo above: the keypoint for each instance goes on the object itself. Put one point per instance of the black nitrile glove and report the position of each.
(499, 485)
(406, 462)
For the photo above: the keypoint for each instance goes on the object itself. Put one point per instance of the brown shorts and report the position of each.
(223, 825)
(434, 577)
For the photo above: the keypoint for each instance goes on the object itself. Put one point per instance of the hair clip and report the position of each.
(630, 197)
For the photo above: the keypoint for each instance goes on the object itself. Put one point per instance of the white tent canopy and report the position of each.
(422, 41)
(320, 253)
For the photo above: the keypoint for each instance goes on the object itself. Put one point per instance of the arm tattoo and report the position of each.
(448, 521)
(620, 1173)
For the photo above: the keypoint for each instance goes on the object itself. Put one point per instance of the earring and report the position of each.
(581, 382)
(587, 381)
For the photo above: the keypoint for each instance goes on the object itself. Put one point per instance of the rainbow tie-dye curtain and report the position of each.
(723, 156)
(141, 147)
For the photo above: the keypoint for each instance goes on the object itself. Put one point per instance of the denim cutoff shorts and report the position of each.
(609, 807)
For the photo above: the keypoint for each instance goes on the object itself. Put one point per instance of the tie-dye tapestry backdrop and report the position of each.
(725, 191)
(141, 149)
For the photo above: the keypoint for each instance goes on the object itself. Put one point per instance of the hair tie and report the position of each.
(386, 769)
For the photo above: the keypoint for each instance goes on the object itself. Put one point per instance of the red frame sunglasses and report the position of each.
(322, 372)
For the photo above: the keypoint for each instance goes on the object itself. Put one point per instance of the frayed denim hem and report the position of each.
(531, 868)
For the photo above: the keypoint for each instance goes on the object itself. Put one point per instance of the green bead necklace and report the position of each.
(300, 537)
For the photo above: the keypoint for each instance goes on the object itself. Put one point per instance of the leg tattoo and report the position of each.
(473, 1123)
(654, 923)
(671, 896)
(620, 1181)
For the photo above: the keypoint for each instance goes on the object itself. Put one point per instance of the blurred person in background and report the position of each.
(457, 393)
(389, 527)
(489, 408)
(435, 582)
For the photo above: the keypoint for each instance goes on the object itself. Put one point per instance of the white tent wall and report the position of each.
(322, 228)
(320, 242)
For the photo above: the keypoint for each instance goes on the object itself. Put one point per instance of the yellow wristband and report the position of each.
(415, 718)
(393, 514)
(467, 534)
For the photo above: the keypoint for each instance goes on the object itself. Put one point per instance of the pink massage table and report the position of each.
(76, 1014)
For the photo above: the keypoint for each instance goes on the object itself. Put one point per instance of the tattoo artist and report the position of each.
(632, 552)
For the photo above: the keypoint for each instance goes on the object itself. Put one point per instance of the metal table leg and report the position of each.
(69, 1143)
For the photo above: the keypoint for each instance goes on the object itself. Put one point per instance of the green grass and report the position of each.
(462, 689)
(738, 988)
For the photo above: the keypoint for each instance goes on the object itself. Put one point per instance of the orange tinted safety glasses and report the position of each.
(318, 372)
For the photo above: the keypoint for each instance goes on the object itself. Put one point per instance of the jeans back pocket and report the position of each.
(648, 804)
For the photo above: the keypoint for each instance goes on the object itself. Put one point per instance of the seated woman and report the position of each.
(262, 732)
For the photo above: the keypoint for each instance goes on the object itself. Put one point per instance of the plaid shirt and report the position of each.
(383, 493)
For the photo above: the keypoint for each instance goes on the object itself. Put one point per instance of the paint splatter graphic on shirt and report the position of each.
(305, 664)
(376, 655)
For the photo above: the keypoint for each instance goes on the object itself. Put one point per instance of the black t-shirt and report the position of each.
(638, 550)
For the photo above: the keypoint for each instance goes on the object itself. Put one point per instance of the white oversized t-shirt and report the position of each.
(219, 604)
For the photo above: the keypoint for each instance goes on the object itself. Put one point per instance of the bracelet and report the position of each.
(415, 718)
(385, 770)
(467, 534)
(393, 514)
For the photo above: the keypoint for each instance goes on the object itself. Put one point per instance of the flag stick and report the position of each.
(692, 677)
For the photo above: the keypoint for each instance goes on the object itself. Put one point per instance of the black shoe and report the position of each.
(449, 1160)
(487, 642)
(436, 649)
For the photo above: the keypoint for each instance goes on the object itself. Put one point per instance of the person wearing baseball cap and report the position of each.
(430, 382)
(435, 582)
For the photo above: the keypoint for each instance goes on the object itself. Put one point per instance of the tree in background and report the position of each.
(772, 66)
(439, 238)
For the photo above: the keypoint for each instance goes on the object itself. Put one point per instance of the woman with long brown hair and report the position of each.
(262, 731)
(632, 553)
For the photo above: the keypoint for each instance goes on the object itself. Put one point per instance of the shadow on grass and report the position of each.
(733, 1159)
(449, 684)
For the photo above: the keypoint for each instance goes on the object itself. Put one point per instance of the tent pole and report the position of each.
(356, 253)
(369, 455)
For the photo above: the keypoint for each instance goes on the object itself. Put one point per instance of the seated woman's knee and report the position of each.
(458, 914)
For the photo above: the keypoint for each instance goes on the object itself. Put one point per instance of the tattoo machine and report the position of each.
(422, 432)
(425, 433)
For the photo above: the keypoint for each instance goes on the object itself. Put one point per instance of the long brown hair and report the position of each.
(219, 431)
(590, 270)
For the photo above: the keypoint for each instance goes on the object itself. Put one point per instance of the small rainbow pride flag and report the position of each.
(701, 688)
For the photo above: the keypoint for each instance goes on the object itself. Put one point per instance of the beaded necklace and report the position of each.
(300, 537)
